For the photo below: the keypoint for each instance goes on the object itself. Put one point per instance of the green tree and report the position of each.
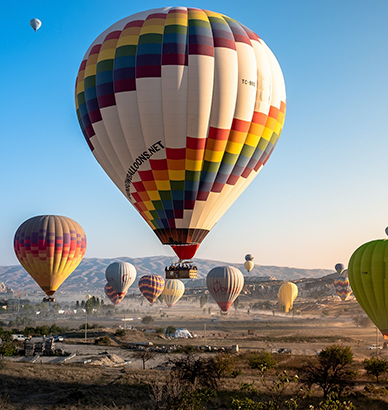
(170, 330)
(262, 360)
(331, 371)
(375, 366)
(202, 301)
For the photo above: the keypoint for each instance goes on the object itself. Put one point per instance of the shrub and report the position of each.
(120, 332)
(147, 319)
(104, 340)
(262, 359)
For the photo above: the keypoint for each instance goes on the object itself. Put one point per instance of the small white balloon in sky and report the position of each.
(35, 24)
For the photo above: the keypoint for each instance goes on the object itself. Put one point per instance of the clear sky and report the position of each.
(322, 193)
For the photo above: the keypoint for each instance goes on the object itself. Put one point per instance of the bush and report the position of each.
(104, 341)
(147, 319)
(170, 330)
(7, 349)
(262, 359)
(120, 332)
(375, 366)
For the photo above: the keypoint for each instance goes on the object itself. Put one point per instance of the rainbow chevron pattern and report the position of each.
(342, 287)
(182, 107)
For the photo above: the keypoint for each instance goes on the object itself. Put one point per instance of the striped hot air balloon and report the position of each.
(113, 296)
(151, 286)
(181, 107)
(224, 284)
(173, 291)
(49, 247)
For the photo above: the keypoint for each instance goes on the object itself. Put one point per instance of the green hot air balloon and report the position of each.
(368, 277)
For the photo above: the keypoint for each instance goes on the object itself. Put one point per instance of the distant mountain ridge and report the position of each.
(90, 274)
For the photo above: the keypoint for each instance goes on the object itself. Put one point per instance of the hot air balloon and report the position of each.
(49, 247)
(113, 296)
(342, 285)
(249, 257)
(286, 296)
(120, 276)
(339, 267)
(224, 284)
(151, 286)
(173, 291)
(35, 24)
(181, 107)
(368, 270)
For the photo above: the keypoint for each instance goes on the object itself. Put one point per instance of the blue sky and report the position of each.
(323, 191)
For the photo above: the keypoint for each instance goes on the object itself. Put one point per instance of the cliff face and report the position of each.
(4, 289)
(307, 288)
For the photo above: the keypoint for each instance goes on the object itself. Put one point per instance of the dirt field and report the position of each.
(110, 377)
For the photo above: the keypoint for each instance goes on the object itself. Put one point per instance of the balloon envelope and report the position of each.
(173, 291)
(49, 247)
(151, 286)
(181, 107)
(286, 296)
(248, 265)
(249, 257)
(342, 285)
(35, 24)
(339, 267)
(367, 272)
(120, 276)
(224, 284)
(113, 296)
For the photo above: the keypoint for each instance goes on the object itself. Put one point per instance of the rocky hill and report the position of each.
(90, 274)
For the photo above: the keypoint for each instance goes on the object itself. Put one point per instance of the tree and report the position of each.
(202, 301)
(147, 319)
(144, 355)
(331, 372)
(262, 360)
(375, 366)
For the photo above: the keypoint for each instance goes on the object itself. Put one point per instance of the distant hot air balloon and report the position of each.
(249, 257)
(224, 284)
(151, 286)
(120, 276)
(368, 273)
(286, 296)
(35, 24)
(49, 247)
(173, 291)
(113, 296)
(181, 107)
(339, 267)
(342, 285)
(248, 265)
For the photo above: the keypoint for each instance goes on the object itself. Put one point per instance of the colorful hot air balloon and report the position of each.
(342, 285)
(120, 276)
(181, 107)
(286, 296)
(49, 248)
(151, 286)
(339, 267)
(249, 257)
(173, 291)
(224, 284)
(368, 272)
(35, 24)
(113, 296)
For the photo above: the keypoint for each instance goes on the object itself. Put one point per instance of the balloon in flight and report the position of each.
(173, 291)
(120, 276)
(224, 284)
(342, 285)
(339, 267)
(181, 107)
(49, 247)
(35, 24)
(151, 286)
(286, 296)
(249, 257)
(112, 295)
(248, 265)
(368, 272)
